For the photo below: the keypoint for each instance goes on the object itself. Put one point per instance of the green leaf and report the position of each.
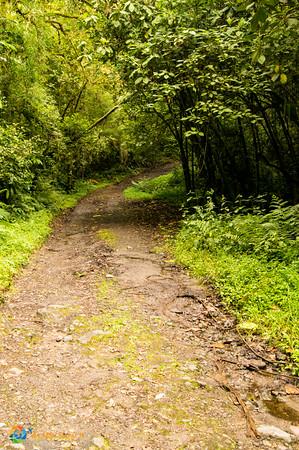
(292, 22)
(262, 59)
(131, 7)
(261, 15)
(247, 326)
(138, 80)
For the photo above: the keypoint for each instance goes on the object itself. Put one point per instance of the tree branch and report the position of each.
(101, 119)
(63, 15)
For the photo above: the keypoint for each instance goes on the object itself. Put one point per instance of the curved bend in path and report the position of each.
(105, 344)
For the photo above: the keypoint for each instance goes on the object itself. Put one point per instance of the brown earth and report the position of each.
(106, 343)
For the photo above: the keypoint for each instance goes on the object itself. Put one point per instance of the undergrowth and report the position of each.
(169, 188)
(252, 259)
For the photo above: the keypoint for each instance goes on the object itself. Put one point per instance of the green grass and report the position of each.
(169, 188)
(18, 240)
(252, 261)
(22, 234)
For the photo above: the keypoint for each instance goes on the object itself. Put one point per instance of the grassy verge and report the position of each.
(20, 236)
(252, 261)
(169, 188)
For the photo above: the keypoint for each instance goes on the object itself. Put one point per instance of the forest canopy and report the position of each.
(214, 82)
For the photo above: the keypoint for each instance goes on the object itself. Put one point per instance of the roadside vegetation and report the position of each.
(247, 250)
(251, 258)
(169, 187)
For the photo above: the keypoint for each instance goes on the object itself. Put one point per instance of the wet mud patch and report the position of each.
(282, 410)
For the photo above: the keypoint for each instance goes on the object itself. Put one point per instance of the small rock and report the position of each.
(15, 372)
(42, 312)
(202, 384)
(295, 431)
(99, 442)
(218, 345)
(258, 363)
(111, 403)
(275, 432)
(137, 379)
(76, 322)
(18, 446)
(109, 275)
(160, 396)
(276, 393)
(192, 367)
(3, 362)
(267, 443)
(68, 338)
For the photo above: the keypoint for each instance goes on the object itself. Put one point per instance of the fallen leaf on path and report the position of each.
(221, 378)
(291, 389)
(219, 345)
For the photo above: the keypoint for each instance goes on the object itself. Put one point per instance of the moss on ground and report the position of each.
(167, 380)
(107, 236)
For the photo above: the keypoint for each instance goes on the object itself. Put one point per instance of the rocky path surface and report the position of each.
(105, 343)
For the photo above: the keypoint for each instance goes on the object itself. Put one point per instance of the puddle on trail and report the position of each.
(281, 410)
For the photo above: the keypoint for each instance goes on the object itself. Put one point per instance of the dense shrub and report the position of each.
(19, 159)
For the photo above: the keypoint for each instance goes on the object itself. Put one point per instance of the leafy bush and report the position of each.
(252, 260)
(271, 236)
(18, 159)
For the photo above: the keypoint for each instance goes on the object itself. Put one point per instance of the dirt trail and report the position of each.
(106, 344)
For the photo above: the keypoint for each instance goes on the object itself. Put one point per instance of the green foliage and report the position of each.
(252, 260)
(272, 236)
(222, 77)
(169, 188)
(52, 89)
(19, 160)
